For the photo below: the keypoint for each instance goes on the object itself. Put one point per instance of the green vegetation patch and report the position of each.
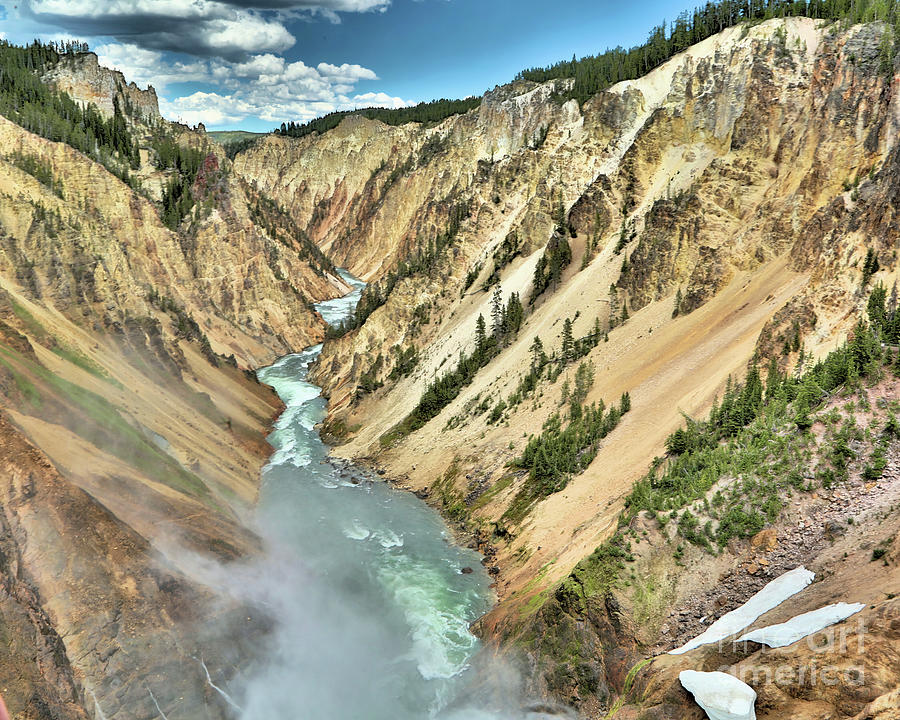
(730, 474)
(23, 384)
(31, 324)
(556, 256)
(30, 103)
(113, 434)
(426, 112)
(102, 425)
(183, 163)
(39, 169)
(79, 359)
(752, 440)
(558, 453)
(595, 73)
(507, 319)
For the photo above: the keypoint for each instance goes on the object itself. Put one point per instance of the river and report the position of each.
(372, 602)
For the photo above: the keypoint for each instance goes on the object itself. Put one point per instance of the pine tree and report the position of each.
(870, 266)
(801, 361)
(480, 336)
(876, 309)
(751, 396)
(773, 380)
(559, 214)
(514, 314)
(584, 379)
(497, 314)
(676, 311)
(538, 356)
(568, 342)
(613, 306)
(623, 239)
(597, 332)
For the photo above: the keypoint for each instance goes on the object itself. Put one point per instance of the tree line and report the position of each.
(506, 320)
(184, 163)
(595, 73)
(765, 457)
(698, 451)
(426, 112)
(557, 454)
(556, 256)
(27, 101)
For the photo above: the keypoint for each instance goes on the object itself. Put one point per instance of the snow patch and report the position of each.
(771, 596)
(722, 696)
(797, 628)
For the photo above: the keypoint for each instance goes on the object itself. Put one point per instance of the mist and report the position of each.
(361, 586)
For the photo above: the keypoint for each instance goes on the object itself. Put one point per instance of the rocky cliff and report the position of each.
(130, 420)
(85, 79)
(727, 205)
(735, 204)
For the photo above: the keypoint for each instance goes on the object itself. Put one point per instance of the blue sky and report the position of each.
(252, 64)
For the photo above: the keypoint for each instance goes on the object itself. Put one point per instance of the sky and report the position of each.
(253, 64)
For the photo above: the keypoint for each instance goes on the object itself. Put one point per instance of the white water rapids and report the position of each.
(371, 605)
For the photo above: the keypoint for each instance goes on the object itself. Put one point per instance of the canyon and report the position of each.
(733, 206)
(745, 179)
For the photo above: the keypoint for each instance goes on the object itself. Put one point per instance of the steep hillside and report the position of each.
(734, 203)
(140, 279)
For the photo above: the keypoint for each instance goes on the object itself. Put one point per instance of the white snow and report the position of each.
(771, 596)
(799, 627)
(722, 696)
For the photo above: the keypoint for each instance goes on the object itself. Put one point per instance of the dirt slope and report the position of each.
(747, 178)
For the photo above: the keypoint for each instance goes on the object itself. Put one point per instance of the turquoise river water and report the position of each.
(372, 602)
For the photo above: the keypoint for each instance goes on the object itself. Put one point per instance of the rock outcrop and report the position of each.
(130, 419)
(719, 207)
(746, 180)
(85, 79)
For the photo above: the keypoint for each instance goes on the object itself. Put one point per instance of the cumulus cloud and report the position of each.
(231, 29)
(346, 71)
(379, 99)
(333, 5)
(200, 27)
(232, 50)
(148, 67)
(207, 108)
(264, 86)
(257, 66)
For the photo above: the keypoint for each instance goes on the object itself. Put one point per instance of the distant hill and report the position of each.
(229, 136)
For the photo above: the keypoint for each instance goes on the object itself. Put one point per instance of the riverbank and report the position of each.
(474, 538)
(353, 568)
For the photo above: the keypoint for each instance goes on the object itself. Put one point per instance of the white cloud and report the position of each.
(148, 67)
(207, 108)
(246, 33)
(258, 66)
(264, 86)
(198, 27)
(217, 28)
(379, 99)
(234, 50)
(346, 71)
